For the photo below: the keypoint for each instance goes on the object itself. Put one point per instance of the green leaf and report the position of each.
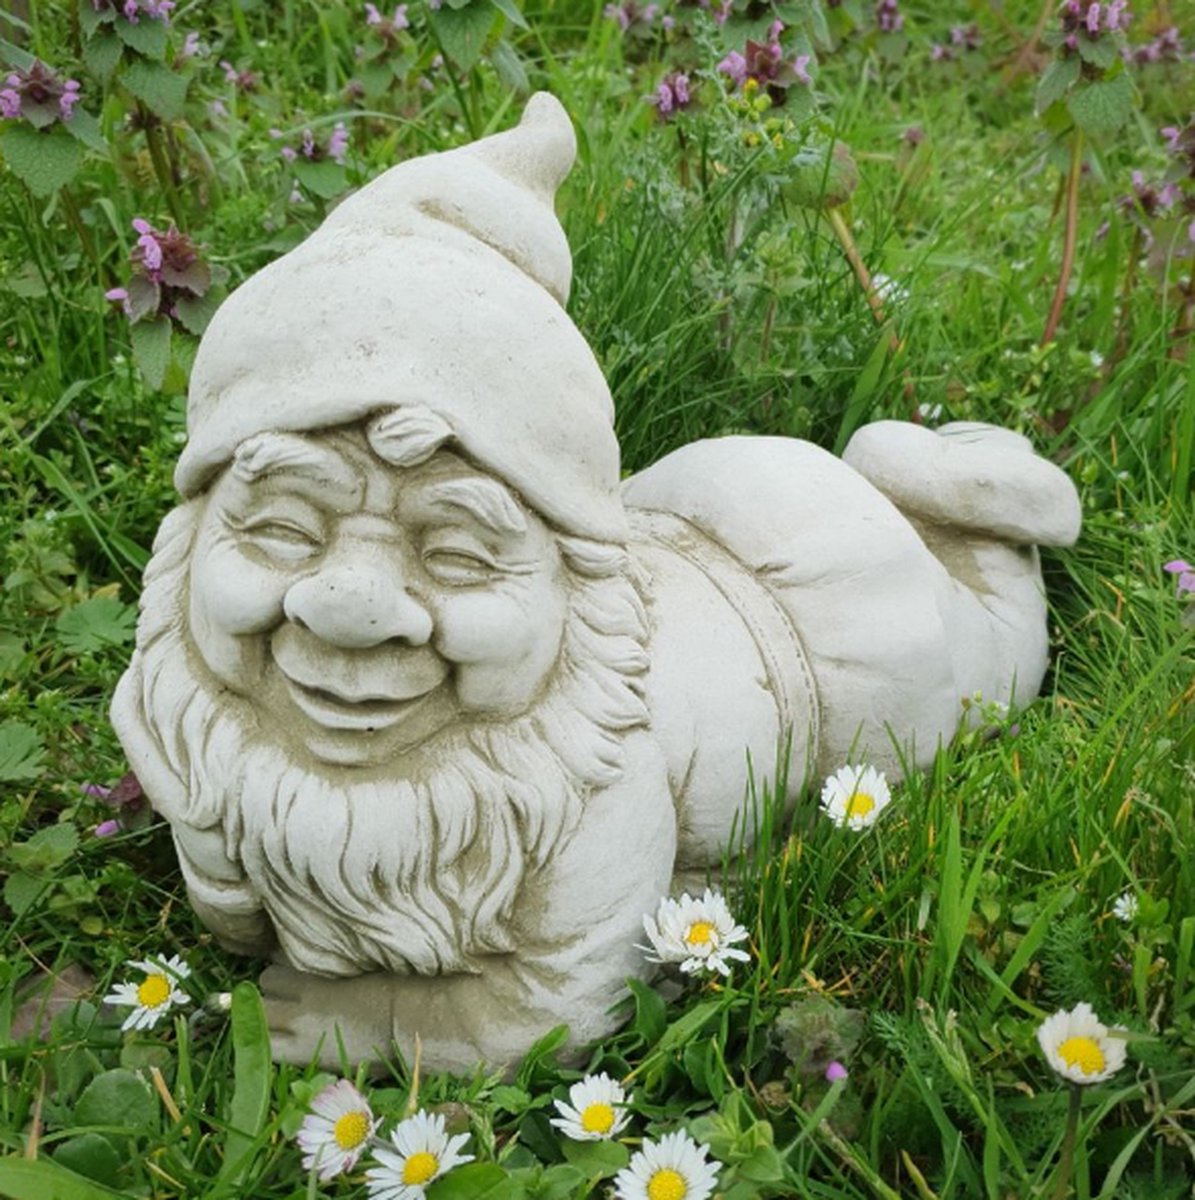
(253, 1076)
(46, 849)
(151, 349)
(21, 891)
(102, 54)
(822, 175)
(90, 1154)
(118, 1099)
(40, 1179)
(509, 66)
(21, 752)
(91, 18)
(160, 88)
(44, 161)
(597, 1159)
(83, 127)
(1102, 107)
(96, 623)
(1102, 52)
(194, 312)
(12, 648)
(510, 10)
(462, 32)
(147, 37)
(325, 178)
(1056, 81)
(650, 1012)
(474, 1181)
(689, 1025)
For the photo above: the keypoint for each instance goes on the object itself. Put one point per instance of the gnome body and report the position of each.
(437, 706)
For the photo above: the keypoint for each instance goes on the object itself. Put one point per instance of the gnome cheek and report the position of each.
(503, 654)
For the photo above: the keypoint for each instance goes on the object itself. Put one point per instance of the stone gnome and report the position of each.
(436, 705)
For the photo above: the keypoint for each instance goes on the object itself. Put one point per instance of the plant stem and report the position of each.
(149, 122)
(1069, 237)
(843, 232)
(1066, 1162)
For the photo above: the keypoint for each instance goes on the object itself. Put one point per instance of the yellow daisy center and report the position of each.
(351, 1130)
(597, 1118)
(667, 1185)
(700, 933)
(420, 1167)
(153, 991)
(1084, 1053)
(859, 805)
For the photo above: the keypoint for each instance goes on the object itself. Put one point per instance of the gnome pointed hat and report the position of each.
(440, 284)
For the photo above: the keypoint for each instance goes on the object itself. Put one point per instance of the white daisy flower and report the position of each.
(855, 796)
(424, 1152)
(1080, 1047)
(674, 1168)
(1124, 907)
(697, 933)
(596, 1110)
(154, 994)
(336, 1130)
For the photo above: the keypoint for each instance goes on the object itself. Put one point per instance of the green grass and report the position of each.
(924, 952)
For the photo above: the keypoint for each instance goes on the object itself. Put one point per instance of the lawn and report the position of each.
(929, 211)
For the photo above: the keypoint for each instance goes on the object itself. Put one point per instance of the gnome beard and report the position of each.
(414, 866)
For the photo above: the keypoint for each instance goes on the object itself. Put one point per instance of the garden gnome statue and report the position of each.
(436, 705)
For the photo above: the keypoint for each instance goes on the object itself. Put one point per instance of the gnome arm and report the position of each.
(576, 927)
(220, 894)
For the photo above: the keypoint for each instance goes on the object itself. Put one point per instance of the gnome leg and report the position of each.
(982, 501)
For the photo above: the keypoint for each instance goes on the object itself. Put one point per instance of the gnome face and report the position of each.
(361, 606)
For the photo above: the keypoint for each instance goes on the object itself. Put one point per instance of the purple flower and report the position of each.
(1093, 20)
(800, 63)
(192, 47)
(672, 94)
(166, 268)
(125, 795)
(39, 96)
(1117, 16)
(1179, 566)
(734, 65)
(151, 248)
(835, 1071)
(939, 53)
(387, 28)
(888, 16)
(217, 108)
(338, 143)
(631, 17)
(244, 81)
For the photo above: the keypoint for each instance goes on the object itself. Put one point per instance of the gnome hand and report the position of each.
(308, 1014)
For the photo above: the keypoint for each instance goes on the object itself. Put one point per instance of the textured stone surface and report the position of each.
(436, 705)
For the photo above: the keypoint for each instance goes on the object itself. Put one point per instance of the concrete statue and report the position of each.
(438, 707)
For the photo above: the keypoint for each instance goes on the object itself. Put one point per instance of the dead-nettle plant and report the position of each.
(1085, 92)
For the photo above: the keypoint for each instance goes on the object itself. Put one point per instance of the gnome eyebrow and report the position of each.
(270, 453)
(486, 501)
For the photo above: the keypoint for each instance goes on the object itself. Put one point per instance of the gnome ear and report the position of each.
(538, 152)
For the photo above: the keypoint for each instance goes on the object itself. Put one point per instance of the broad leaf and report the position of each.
(462, 31)
(147, 37)
(475, 1181)
(102, 53)
(44, 160)
(1104, 106)
(90, 1154)
(21, 892)
(95, 623)
(1056, 81)
(46, 849)
(119, 1098)
(253, 1078)
(325, 178)
(161, 89)
(21, 752)
(151, 349)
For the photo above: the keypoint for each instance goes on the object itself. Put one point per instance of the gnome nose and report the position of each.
(358, 605)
